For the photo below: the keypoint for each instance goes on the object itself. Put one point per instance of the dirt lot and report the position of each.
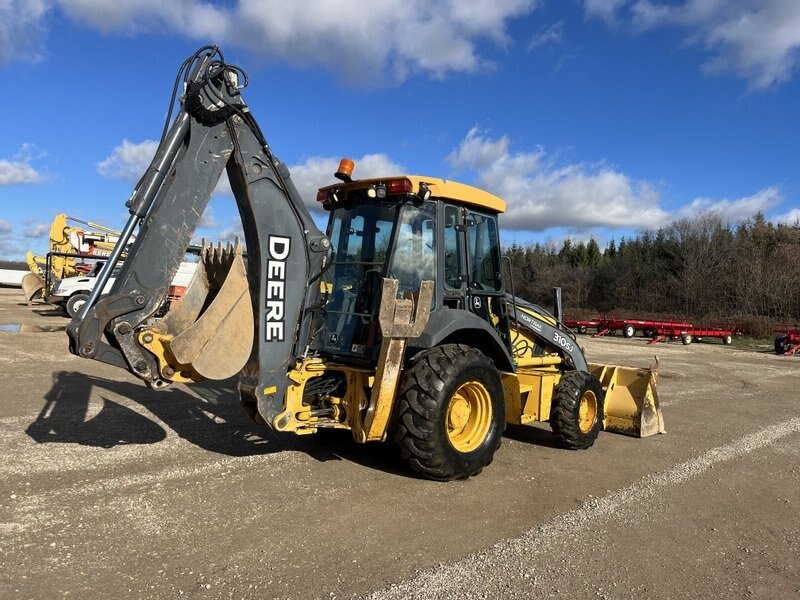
(108, 489)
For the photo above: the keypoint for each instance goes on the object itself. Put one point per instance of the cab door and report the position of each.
(454, 261)
(485, 289)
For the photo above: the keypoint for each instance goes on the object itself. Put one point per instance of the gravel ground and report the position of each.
(110, 489)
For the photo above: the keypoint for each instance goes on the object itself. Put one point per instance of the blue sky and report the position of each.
(592, 118)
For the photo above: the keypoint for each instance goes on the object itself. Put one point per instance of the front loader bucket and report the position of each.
(631, 402)
(31, 285)
(211, 327)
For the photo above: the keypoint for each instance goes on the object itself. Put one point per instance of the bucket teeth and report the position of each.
(212, 326)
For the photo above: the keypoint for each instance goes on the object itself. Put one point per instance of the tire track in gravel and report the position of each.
(508, 568)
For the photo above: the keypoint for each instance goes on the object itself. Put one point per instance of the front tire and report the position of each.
(628, 331)
(576, 415)
(75, 303)
(782, 343)
(450, 413)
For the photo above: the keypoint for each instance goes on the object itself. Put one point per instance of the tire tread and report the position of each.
(421, 404)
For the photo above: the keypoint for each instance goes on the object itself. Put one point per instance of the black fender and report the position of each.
(458, 326)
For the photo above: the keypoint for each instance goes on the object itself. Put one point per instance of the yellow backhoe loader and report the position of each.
(397, 322)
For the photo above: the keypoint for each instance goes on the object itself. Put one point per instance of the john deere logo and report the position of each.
(278, 247)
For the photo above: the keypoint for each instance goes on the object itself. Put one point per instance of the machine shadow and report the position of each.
(212, 419)
(532, 434)
(48, 311)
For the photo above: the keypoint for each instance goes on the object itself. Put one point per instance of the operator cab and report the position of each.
(410, 229)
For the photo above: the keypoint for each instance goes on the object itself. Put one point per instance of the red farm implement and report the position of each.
(688, 333)
(658, 331)
(582, 326)
(787, 340)
(629, 327)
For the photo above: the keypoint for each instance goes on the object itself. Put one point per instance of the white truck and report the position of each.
(72, 292)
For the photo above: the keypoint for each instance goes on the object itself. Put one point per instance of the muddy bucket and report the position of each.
(208, 333)
(31, 285)
(631, 401)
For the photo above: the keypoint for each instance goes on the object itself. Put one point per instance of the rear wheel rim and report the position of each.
(469, 416)
(587, 411)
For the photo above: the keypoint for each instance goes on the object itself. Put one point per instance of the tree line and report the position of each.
(699, 269)
(14, 265)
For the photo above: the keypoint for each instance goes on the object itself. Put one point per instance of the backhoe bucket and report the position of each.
(31, 285)
(211, 326)
(631, 402)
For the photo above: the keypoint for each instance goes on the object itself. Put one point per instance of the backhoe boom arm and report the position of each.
(213, 131)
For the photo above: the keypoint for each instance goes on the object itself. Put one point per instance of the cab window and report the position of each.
(414, 257)
(452, 250)
(484, 252)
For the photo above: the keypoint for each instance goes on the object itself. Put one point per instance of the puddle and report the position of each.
(26, 328)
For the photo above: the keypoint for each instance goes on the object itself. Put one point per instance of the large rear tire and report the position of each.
(450, 413)
(577, 410)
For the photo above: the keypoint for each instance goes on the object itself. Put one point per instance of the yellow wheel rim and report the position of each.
(587, 411)
(469, 416)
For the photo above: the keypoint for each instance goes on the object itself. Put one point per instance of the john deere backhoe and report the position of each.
(396, 322)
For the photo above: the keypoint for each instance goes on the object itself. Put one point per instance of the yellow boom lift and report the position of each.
(67, 242)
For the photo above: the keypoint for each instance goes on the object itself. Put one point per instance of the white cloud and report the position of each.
(207, 220)
(364, 42)
(317, 172)
(758, 40)
(19, 169)
(128, 161)
(479, 153)
(8, 249)
(733, 211)
(603, 9)
(790, 218)
(138, 16)
(552, 34)
(22, 30)
(234, 230)
(36, 231)
(229, 233)
(541, 194)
